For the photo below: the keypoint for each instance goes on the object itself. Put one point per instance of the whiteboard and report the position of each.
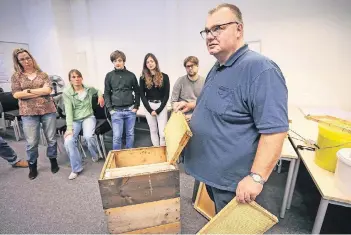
(6, 64)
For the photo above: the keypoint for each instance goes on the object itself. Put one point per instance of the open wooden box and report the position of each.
(140, 187)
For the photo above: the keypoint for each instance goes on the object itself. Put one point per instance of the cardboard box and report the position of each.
(140, 187)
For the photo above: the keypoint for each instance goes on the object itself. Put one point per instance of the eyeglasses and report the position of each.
(190, 66)
(216, 29)
(25, 59)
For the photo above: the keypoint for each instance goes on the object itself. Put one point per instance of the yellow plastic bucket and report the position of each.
(330, 140)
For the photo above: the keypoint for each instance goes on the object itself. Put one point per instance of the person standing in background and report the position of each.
(120, 101)
(188, 87)
(31, 86)
(154, 93)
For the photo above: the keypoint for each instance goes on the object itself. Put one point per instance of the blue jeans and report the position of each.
(7, 153)
(119, 118)
(31, 129)
(71, 142)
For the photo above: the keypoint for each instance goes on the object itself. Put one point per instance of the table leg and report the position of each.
(195, 189)
(296, 171)
(287, 187)
(293, 183)
(318, 222)
(280, 163)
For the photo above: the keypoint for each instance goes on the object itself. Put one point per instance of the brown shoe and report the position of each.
(21, 163)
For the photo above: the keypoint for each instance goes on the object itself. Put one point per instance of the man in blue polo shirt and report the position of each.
(240, 119)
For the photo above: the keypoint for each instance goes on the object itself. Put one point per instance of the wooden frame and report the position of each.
(328, 120)
(237, 218)
(203, 203)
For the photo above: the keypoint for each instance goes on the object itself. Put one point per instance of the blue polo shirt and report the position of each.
(242, 99)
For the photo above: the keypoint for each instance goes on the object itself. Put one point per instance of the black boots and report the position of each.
(54, 166)
(33, 172)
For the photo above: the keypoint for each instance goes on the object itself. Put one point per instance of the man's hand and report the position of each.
(188, 117)
(178, 105)
(185, 106)
(101, 101)
(153, 113)
(248, 190)
(68, 133)
(134, 110)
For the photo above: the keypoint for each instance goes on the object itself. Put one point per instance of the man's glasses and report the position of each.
(190, 66)
(216, 30)
(25, 59)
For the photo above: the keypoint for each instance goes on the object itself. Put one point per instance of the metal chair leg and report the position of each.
(103, 145)
(18, 127)
(98, 146)
(15, 130)
(81, 146)
(58, 145)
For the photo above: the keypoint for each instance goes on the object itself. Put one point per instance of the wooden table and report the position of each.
(308, 130)
(323, 179)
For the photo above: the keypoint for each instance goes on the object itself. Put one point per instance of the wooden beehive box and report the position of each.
(140, 187)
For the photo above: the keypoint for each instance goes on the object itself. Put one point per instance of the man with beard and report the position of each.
(188, 87)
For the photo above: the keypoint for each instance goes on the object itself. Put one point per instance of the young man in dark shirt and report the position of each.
(120, 100)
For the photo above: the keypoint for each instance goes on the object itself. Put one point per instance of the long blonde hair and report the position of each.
(17, 65)
(149, 81)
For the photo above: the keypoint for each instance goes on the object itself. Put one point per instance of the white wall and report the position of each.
(13, 33)
(63, 18)
(309, 40)
(43, 38)
(12, 28)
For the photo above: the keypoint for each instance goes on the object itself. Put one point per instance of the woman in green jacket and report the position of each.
(79, 115)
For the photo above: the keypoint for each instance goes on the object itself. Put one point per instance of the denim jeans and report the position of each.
(119, 118)
(31, 129)
(7, 153)
(71, 142)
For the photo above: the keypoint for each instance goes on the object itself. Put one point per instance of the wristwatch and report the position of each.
(28, 90)
(257, 178)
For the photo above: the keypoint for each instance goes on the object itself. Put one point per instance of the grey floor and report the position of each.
(54, 204)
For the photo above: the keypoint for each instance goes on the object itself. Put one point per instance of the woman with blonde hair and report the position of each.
(154, 93)
(31, 86)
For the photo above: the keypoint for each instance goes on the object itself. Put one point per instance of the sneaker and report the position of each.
(21, 163)
(72, 176)
(95, 159)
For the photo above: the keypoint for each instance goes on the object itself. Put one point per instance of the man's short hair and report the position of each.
(236, 11)
(191, 59)
(117, 54)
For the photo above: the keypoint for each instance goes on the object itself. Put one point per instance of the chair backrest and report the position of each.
(8, 102)
(99, 112)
